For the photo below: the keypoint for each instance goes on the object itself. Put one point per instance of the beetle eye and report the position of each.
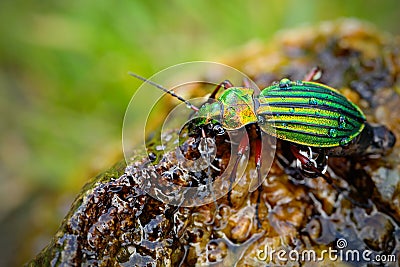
(219, 130)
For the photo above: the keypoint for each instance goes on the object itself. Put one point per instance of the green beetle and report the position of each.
(301, 112)
(306, 114)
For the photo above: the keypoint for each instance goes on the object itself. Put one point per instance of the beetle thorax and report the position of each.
(233, 109)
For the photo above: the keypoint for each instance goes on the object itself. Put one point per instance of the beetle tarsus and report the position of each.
(259, 189)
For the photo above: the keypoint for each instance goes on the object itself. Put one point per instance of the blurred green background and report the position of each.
(64, 86)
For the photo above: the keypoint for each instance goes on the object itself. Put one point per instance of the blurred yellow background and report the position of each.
(64, 86)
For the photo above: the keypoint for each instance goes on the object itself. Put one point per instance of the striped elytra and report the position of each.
(308, 113)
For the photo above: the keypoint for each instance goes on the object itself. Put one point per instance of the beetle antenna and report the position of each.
(188, 104)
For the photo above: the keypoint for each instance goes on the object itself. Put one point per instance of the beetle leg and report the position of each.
(313, 75)
(225, 84)
(310, 164)
(209, 164)
(258, 162)
(317, 160)
(246, 83)
(243, 146)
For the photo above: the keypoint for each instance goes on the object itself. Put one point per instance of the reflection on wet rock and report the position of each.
(115, 222)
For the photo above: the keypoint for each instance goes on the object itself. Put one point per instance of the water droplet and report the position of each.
(333, 132)
(299, 82)
(313, 101)
(291, 110)
(285, 83)
(260, 119)
(284, 124)
(275, 83)
(160, 147)
(344, 141)
(342, 122)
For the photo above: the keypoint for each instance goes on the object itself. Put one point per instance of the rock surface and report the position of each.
(114, 222)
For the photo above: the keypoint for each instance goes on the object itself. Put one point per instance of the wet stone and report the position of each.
(115, 222)
(377, 232)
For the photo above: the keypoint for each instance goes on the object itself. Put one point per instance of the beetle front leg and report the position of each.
(258, 162)
(225, 84)
(243, 147)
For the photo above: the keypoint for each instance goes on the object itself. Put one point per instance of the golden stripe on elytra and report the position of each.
(297, 111)
(314, 121)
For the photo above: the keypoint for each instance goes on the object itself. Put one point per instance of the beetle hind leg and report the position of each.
(313, 75)
(312, 167)
(309, 166)
(310, 163)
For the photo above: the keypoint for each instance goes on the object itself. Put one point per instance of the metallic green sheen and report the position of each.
(308, 113)
(300, 112)
(210, 112)
(234, 108)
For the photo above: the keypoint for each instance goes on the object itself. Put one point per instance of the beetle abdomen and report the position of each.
(308, 113)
